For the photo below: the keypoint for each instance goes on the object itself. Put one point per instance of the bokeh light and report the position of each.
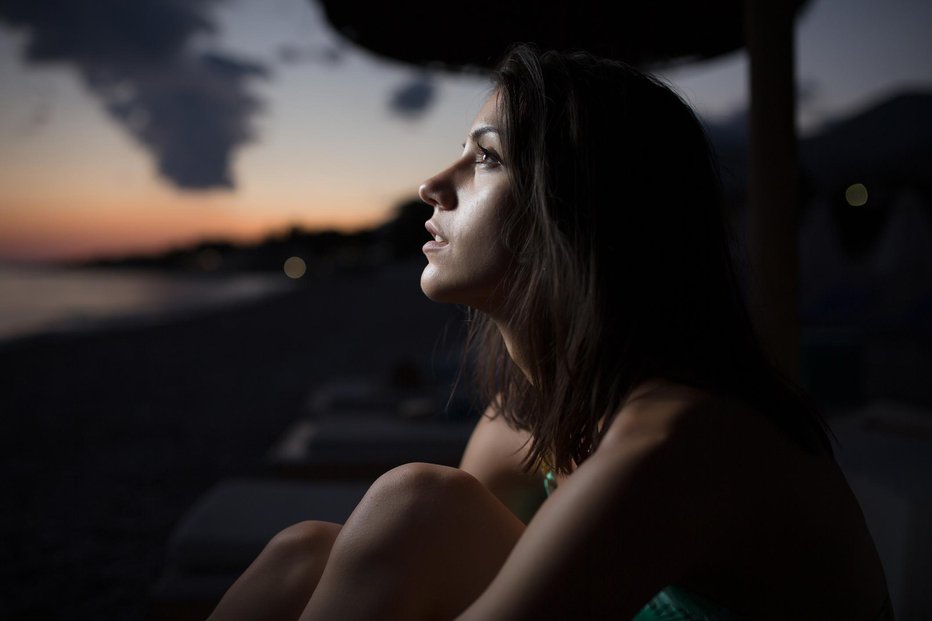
(295, 267)
(856, 195)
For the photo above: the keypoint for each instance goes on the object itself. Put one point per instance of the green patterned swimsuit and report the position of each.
(676, 604)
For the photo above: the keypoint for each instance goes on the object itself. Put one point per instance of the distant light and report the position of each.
(295, 267)
(856, 195)
(209, 259)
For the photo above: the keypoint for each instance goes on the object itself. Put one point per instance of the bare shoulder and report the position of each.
(683, 422)
(679, 438)
(668, 420)
(672, 451)
(778, 523)
(658, 409)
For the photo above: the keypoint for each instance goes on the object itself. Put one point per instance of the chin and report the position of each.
(473, 292)
(435, 290)
(439, 289)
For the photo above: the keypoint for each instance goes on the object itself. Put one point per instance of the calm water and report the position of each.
(34, 300)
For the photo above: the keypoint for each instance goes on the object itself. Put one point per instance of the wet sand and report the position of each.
(108, 437)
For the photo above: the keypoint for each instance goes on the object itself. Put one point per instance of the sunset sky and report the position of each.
(339, 136)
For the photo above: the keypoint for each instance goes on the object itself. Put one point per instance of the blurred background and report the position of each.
(210, 250)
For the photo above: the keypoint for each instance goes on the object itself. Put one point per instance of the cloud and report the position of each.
(414, 97)
(190, 115)
(190, 109)
(290, 54)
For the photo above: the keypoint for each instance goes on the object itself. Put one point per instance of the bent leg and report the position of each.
(424, 542)
(278, 584)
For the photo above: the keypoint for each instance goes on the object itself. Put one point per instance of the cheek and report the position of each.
(481, 231)
(471, 270)
(482, 220)
(482, 248)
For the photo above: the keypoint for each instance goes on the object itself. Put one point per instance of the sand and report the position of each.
(109, 436)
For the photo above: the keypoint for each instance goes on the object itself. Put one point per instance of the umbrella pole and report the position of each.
(773, 192)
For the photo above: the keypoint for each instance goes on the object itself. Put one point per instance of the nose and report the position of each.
(439, 191)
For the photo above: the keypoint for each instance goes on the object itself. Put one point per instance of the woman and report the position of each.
(582, 223)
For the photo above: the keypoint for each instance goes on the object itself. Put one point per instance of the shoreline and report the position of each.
(44, 300)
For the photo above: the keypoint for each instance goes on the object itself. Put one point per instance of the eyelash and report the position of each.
(485, 156)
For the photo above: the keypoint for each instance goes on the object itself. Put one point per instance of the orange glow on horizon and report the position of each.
(56, 205)
(38, 233)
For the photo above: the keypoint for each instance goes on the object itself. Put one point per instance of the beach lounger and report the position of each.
(357, 429)
(361, 427)
(366, 446)
(227, 528)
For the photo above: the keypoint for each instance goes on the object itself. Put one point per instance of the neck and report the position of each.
(511, 344)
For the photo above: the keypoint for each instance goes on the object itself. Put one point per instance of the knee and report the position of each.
(420, 486)
(303, 542)
(418, 525)
(416, 497)
(280, 581)
(420, 476)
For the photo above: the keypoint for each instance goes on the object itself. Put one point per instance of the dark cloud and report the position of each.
(190, 115)
(414, 97)
(190, 109)
(294, 54)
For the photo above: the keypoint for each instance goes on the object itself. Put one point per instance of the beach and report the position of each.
(110, 434)
(112, 431)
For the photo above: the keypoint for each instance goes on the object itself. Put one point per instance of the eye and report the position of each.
(486, 156)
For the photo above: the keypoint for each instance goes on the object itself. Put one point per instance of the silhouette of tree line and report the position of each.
(397, 240)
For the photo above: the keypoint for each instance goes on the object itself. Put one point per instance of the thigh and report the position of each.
(424, 542)
(278, 584)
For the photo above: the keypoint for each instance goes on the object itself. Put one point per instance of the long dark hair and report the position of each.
(621, 258)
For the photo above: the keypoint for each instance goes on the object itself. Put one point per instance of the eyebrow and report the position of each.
(482, 130)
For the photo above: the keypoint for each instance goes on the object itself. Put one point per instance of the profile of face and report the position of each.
(467, 259)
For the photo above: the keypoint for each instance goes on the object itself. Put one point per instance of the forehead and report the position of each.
(488, 114)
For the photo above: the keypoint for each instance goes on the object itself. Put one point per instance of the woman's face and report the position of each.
(467, 260)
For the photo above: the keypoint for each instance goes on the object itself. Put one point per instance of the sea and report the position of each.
(35, 300)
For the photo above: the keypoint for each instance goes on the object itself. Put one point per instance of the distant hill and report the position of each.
(400, 238)
(889, 144)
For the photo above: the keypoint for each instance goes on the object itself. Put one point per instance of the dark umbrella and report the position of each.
(421, 32)
(425, 32)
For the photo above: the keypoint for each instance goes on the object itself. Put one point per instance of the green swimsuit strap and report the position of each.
(676, 604)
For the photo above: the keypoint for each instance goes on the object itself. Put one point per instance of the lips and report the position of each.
(439, 240)
(435, 231)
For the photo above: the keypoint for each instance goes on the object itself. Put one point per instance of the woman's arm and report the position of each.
(643, 512)
(494, 455)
